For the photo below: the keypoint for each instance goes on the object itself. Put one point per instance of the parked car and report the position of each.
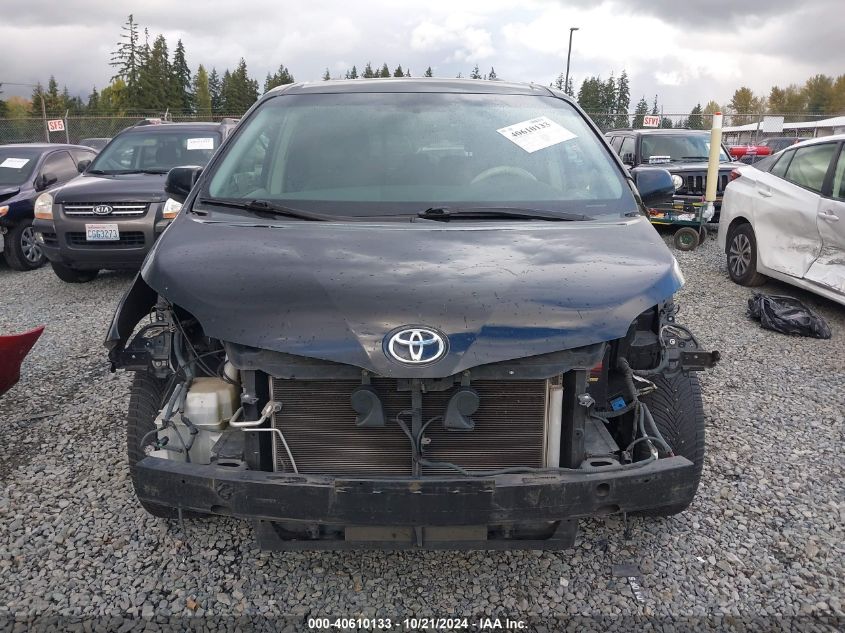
(96, 144)
(13, 349)
(412, 313)
(112, 215)
(681, 151)
(26, 171)
(784, 217)
(749, 154)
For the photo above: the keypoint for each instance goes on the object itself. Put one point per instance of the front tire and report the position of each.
(686, 238)
(144, 404)
(679, 415)
(742, 256)
(22, 250)
(72, 275)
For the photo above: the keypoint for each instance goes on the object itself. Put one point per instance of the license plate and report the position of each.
(102, 233)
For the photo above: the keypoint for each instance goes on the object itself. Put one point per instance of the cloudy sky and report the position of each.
(685, 51)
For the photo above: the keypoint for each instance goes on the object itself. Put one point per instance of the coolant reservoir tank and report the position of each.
(210, 403)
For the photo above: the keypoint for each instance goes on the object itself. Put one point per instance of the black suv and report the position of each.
(26, 171)
(112, 215)
(412, 313)
(682, 152)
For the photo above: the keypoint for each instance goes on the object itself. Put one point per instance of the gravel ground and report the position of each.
(763, 539)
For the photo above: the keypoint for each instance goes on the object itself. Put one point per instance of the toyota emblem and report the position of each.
(413, 345)
(102, 209)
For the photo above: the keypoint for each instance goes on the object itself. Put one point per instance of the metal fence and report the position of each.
(76, 128)
(752, 126)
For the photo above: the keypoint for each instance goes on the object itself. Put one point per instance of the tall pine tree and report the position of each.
(202, 93)
(639, 112)
(181, 98)
(428, 72)
(279, 78)
(215, 90)
(126, 58)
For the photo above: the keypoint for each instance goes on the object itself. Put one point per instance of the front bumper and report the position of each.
(60, 249)
(489, 505)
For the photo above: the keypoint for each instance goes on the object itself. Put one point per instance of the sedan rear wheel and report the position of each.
(742, 257)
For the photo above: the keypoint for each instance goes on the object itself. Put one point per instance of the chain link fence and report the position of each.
(738, 128)
(76, 128)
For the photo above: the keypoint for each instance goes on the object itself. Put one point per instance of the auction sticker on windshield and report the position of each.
(536, 134)
(14, 163)
(102, 233)
(200, 143)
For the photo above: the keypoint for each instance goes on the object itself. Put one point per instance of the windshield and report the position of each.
(156, 151)
(367, 154)
(678, 147)
(16, 165)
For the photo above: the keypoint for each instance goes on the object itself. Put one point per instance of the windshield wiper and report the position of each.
(484, 213)
(695, 157)
(268, 207)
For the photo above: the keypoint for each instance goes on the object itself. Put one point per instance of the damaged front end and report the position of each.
(326, 454)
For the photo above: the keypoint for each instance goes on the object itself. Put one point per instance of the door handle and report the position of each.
(830, 216)
(766, 193)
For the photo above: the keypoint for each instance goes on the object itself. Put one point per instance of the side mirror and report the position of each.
(180, 181)
(45, 180)
(82, 165)
(655, 185)
(628, 158)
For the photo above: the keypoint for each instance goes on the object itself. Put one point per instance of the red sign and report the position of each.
(651, 120)
(56, 125)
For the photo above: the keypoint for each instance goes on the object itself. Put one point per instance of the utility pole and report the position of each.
(572, 29)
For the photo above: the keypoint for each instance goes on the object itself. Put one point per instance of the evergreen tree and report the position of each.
(665, 122)
(695, 121)
(428, 72)
(654, 109)
(327, 75)
(623, 100)
(608, 103)
(385, 71)
(202, 93)
(639, 112)
(475, 74)
(239, 92)
(492, 74)
(745, 106)
(399, 72)
(181, 98)
(93, 106)
(353, 74)
(591, 98)
(215, 90)
(279, 78)
(154, 78)
(126, 58)
(368, 72)
(558, 83)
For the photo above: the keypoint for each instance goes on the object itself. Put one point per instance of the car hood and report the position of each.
(8, 191)
(497, 290)
(126, 187)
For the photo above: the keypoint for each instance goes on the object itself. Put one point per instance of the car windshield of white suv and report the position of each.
(370, 154)
(16, 165)
(678, 148)
(155, 152)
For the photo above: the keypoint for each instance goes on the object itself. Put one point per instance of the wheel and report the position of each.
(22, 250)
(144, 401)
(72, 275)
(686, 238)
(742, 256)
(679, 415)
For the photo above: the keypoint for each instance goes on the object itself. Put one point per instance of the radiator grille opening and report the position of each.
(319, 425)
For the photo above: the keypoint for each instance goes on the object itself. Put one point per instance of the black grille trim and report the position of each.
(128, 239)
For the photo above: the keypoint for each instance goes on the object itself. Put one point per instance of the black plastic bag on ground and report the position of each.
(787, 315)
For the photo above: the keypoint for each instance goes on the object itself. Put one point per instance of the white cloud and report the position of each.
(455, 38)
